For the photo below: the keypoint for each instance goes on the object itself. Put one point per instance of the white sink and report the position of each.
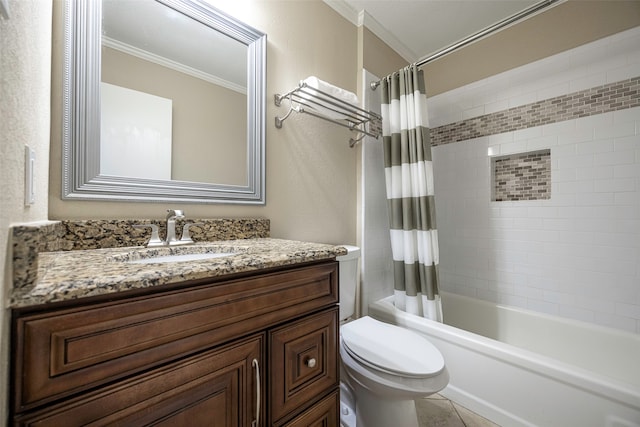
(180, 258)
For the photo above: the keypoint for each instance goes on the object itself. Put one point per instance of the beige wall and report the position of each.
(311, 176)
(209, 123)
(565, 26)
(25, 48)
(378, 57)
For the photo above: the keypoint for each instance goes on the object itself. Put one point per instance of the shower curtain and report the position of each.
(410, 195)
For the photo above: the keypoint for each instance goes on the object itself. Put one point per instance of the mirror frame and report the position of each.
(81, 178)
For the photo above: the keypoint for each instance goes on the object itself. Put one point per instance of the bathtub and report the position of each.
(521, 368)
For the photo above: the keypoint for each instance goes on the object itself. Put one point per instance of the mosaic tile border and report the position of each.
(600, 99)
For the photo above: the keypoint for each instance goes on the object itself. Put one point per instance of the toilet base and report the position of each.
(347, 406)
(376, 411)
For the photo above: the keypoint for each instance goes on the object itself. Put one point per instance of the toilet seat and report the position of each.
(391, 349)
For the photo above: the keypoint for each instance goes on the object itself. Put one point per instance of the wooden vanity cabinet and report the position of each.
(258, 350)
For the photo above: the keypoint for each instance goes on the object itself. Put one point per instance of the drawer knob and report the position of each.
(311, 362)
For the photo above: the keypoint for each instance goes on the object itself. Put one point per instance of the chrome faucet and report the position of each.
(171, 239)
(172, 215)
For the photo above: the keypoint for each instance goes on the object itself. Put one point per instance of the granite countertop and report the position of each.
(76, 274)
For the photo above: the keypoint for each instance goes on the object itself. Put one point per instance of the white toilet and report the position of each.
(384, 367)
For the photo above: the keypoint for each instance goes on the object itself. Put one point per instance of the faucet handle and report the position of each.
(186, 236)
(175, 213)
(155, 238)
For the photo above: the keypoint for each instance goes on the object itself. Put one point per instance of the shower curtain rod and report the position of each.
(544, 4)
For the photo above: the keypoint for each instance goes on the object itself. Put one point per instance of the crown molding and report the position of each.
(362, 18)
(168, 63)
(383, 34)
(344, 9)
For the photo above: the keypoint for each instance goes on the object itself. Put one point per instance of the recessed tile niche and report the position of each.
(521, 176)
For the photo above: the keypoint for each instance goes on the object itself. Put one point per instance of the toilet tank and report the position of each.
(348, 276)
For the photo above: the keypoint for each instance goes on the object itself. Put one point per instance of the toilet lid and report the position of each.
(391, 348)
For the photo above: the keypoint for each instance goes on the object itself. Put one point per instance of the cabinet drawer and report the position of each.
(214, 388)
(67, 351)
(322, 414)
(303, 364)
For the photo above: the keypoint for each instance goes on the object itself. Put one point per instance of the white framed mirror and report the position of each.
(164, 101)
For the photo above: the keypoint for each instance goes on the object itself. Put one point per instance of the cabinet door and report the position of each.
(322, 414)
(216, 388)
(304, 363)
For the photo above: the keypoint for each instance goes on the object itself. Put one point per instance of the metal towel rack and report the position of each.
(309, 100)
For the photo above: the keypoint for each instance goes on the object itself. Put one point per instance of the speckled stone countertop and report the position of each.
(68, 275)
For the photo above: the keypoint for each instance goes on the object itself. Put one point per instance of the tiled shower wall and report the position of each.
(576, 254)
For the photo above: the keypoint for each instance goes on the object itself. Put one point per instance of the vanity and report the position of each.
(245, 339)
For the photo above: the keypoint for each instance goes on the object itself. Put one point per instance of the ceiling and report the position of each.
(418, 28)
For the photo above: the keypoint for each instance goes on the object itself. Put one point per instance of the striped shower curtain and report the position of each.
(410, 195)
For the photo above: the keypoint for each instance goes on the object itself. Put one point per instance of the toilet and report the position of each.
(383, 367)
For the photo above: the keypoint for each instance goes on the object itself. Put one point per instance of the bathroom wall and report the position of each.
(203, 120)
(565, 26)
(25, 70)
(576, 254)
(311, 171)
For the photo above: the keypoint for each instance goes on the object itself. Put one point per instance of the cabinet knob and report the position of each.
(311, 362)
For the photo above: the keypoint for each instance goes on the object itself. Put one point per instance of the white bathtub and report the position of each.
(531, 369)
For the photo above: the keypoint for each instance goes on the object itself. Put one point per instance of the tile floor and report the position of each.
(438, 411)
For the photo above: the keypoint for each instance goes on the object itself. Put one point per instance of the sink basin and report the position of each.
(180, 258)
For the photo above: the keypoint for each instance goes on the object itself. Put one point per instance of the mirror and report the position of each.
(163, 101)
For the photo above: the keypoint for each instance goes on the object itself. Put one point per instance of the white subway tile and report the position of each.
(557, 223)
(565, 127)
(619, 130)
(615, 158)
(614, 185)
(513, 147)
(574, 187)
(472, 112)
(542, 212)
(579, 135)
(628, 143)
(562, 175)
(594, 199)
(542, 306)
(596, 146)
(564, 151)
(622, 73)
(615, 239)
(587, 82)
(558, 297)
(632, 199)
(593, 304)
(528, 292)
(528, 133)
(494, 107)
(501, 138)
(581, 161)
(591, 122)
(595, 172)
(627, 115)
(559, 89)
(542, 142)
